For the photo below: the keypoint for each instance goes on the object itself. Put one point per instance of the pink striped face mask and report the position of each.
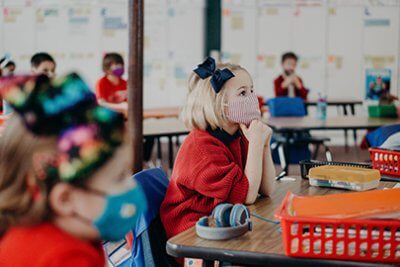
(244, 109)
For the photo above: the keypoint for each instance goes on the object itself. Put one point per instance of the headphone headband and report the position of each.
(226, 228)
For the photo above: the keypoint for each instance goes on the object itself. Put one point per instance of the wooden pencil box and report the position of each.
(345, 177)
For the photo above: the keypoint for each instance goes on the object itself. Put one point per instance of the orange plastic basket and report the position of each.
(386, 161)
(357, 240)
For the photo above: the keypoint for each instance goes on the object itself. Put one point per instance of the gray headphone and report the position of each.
(231, 221)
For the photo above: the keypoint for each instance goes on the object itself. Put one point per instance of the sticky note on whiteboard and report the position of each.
(237, 22)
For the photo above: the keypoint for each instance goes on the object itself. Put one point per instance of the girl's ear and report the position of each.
(61, 199)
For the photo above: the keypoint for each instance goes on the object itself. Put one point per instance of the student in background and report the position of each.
(9, 69)
(64, 177)
(111, 88)
(226, 157)
(289, 83)
(43, 63)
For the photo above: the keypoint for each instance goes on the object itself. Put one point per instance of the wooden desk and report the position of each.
(283, 124)
(163, 127)
(344, 103)
(167, 127)
(164, 112)
(263, 245)
(288, 126)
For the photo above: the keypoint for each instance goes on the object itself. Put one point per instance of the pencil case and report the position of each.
(344, 177)
(307, 164)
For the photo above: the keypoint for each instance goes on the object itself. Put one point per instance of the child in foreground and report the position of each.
(226, 157)
(64, 181)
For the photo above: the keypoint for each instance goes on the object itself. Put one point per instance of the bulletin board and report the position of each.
(79, 32)
(336, 41)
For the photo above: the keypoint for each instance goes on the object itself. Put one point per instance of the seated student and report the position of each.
(9, 69)
(111, 88)
(41, 63)
(289, 83)
(64, 177)
(226, 157)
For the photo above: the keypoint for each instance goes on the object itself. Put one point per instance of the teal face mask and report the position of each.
(120, 214)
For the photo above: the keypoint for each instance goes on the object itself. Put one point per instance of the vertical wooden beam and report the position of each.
(135, 82)
(212, 34)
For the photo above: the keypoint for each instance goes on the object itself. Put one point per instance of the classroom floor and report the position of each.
(340, 153)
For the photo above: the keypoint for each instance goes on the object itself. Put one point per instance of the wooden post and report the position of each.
(135, 82)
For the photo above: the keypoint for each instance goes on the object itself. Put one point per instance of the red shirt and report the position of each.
(280, 91)
(106, 90)
(206, 173)
(45, 245)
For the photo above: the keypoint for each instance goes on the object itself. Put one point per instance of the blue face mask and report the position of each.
(120, 214)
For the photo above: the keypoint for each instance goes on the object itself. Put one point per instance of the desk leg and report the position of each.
(352, 108)
(159, 152)
(170, 152)
(285, 169)
(344, 110)
(355, 137)
(207, 263)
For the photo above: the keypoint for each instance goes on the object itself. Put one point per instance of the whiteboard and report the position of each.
(269, 48)
(239, 33)
(334, 42)
(79, 32)
(345, 56)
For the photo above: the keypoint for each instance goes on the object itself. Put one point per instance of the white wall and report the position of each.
(78, 33)
(334, 39)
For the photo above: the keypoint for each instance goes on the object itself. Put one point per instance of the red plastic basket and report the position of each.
(358, 240)
(386, 161)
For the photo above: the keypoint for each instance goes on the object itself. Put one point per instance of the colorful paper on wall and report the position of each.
(377, 80)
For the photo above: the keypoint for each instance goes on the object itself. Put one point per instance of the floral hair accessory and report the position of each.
(87, 133)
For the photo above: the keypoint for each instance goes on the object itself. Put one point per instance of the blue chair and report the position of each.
(295, 143)
(287, 107)
(377, 137)
(149, 238)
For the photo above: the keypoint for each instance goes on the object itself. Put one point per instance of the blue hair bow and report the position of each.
(219, 77)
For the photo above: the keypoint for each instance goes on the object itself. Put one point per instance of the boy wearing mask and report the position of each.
(289, 83)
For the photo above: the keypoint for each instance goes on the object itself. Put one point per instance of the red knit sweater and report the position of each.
(45, 245)
(206, 173)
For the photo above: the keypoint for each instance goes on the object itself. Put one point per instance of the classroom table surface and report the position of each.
(163, 127)
(331, 123)
(159, 113)
(263, 245)
(336, 101)
(162, 112)
(150, 113)
(174, 126)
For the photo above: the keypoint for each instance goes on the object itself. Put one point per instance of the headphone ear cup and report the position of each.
(221, 214)
(239, 214)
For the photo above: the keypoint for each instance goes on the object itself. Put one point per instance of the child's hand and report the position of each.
(258, 133)
(120, 96)
(296, 81)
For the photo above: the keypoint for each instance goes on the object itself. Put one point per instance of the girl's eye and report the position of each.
(243, 93)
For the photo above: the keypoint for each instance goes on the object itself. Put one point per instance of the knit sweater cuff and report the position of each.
(239, 191)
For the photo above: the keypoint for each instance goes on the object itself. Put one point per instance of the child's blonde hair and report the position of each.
(17, 148)
(204, 107)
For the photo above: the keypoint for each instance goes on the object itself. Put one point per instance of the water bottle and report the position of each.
(321, 108)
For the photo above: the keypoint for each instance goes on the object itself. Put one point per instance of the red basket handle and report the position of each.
(281, 212)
